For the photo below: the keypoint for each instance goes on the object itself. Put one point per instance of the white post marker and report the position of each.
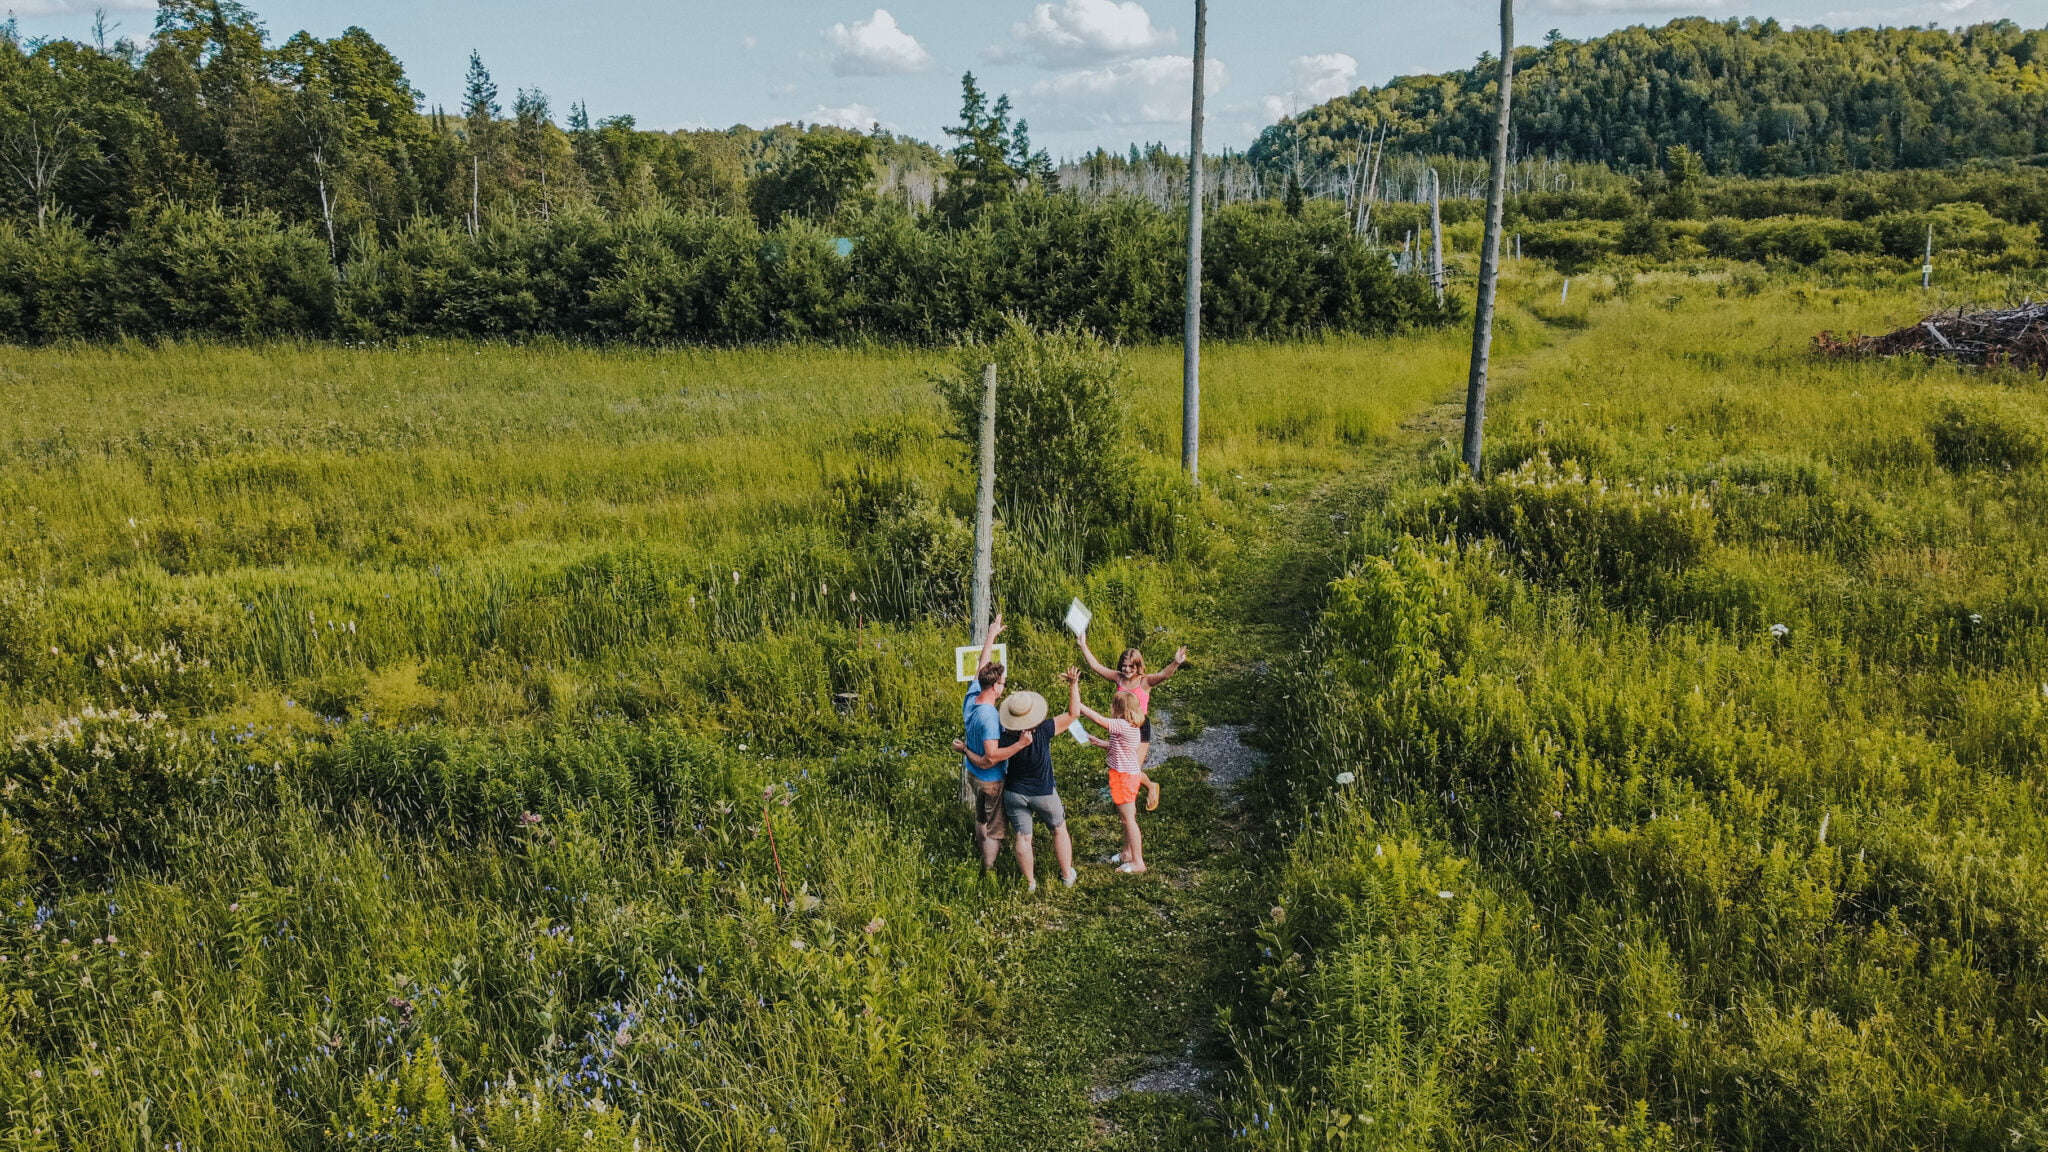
(964, 667)
(1078, 617)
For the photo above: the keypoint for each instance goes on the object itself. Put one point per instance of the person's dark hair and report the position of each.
(991, 674)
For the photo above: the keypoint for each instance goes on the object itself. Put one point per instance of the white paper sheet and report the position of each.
(1078, 732)
(1078, 617)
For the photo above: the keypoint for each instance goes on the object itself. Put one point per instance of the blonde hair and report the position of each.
(1125, 707)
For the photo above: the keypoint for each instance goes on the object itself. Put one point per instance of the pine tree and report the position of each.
(982, 172)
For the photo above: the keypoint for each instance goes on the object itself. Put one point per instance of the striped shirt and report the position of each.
(1125, 744)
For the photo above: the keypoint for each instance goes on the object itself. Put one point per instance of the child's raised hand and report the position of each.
(1071, 676)
(1180, 655)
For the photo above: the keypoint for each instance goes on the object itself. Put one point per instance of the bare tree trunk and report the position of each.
(326, 208)
(476, 184)
(1372, 186)
(1191, 348)
(985, 505)
(1436, 234)
(1489, 256)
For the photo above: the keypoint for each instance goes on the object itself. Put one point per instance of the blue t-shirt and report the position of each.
(983, 725)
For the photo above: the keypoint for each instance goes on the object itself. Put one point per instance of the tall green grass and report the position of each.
(1678, 785)
(539, 748)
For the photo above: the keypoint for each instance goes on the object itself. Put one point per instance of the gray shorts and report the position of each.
(1021, 808)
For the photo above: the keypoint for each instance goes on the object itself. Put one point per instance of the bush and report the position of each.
(1986, 434)
(1064, 449)
(1574, 529)
(98, 787)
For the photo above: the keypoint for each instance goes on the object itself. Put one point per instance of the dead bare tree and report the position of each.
(1489, 255)
(41, 137)
(1436, 234)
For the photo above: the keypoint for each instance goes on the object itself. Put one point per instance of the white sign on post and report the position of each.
(964, 666)
(1078, 617)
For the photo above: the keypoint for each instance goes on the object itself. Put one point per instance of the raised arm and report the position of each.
(1180, 659)
(1094, 665)
(1072, 678)
(988, 643)
(1074, 705)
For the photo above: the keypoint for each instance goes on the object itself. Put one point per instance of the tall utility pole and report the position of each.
(1191, 348)
(985, 505)
(1489, 255)
(1436, 234)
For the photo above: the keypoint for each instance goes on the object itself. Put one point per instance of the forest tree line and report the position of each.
(1748, 97)
(208, 181)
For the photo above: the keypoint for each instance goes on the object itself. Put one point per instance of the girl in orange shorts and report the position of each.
(1126, 746)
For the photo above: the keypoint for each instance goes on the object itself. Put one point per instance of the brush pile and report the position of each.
(2016, 336)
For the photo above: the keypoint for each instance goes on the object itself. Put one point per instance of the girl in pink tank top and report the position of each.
(1130, 676)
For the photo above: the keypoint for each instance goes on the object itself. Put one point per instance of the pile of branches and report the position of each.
(2016, 336)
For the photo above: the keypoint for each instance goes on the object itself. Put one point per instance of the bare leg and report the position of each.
(1151, 791)
(989, 847)
(1063, 851)
(1025, 861)
(1134, 841)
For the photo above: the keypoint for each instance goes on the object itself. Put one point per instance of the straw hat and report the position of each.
(1023, 711)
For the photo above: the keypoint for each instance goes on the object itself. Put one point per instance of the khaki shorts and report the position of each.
(988, 808)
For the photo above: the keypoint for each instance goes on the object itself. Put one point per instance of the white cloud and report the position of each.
(1322, 76)
(1148, 90)
(859, 117)
(875, 46)
(1312, 80)
(1619, 7)
(1947, 13)
(79, 7)
(1088, 32)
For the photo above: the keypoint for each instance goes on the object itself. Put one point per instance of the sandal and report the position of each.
(1071, 876)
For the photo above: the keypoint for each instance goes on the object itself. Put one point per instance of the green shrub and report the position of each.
(99, 786)
(1571, 528)
(1986, 433)
(1064, 449)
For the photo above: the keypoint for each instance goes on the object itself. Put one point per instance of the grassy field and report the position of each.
(1692, 764)
(544, 748)
(395, 724)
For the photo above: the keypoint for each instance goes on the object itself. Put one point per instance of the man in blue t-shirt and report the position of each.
(982, 758)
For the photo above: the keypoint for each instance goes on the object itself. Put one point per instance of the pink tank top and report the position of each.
(1142, 691)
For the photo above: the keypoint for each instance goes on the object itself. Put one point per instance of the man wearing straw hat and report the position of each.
(1028, 789)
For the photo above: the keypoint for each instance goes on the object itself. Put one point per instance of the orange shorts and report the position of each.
(1123, 786)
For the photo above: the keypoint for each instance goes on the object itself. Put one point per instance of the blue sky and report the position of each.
(1083, 72)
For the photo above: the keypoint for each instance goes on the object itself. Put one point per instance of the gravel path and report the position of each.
(1220, 748)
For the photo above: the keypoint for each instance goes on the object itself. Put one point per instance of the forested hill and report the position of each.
(1753, 98)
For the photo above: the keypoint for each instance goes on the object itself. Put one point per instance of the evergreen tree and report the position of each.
(982, 173)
